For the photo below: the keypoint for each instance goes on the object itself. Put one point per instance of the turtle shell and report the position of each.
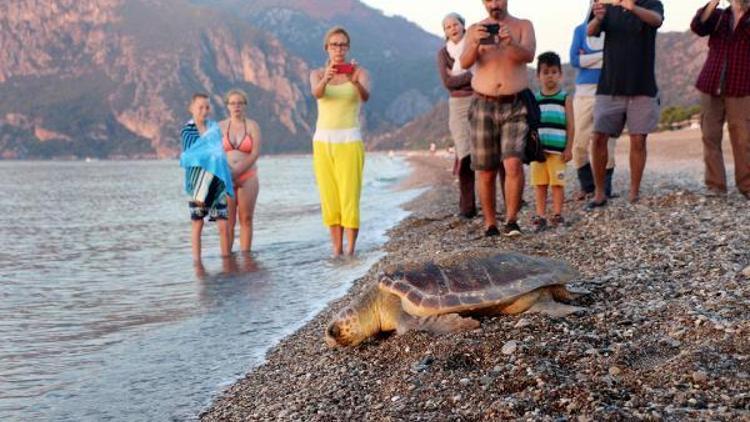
(470, 280)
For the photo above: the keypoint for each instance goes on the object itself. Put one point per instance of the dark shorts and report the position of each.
(498, 131)
(215, 207)
(640, 113)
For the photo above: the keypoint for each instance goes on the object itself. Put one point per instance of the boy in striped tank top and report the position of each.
(556, 134)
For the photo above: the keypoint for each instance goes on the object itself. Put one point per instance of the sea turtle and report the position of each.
(437, 295)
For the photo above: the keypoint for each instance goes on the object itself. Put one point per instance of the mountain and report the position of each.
(679, 60)
(109, 78)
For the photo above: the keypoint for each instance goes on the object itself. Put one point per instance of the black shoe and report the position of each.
(558, 220)
(491, 231)
(539, 223)
(511, 229)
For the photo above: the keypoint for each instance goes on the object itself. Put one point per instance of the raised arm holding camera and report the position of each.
(627, 91)
(500, 46)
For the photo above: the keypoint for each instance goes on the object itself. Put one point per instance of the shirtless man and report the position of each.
(497, 115)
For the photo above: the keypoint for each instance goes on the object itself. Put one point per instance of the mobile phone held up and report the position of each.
(493, 29)
(344, 68)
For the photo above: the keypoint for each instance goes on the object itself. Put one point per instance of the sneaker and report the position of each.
(558, 220)
(511, 229)
(491, 231)
(539, 223)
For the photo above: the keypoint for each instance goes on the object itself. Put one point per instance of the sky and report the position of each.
(553, 20)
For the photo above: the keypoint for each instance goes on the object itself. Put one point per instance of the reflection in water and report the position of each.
(111, 321)
(240, 275)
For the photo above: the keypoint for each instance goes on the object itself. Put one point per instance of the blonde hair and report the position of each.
(233, 92)
(334, 31)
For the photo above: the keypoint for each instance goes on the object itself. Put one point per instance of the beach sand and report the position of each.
(666, 333)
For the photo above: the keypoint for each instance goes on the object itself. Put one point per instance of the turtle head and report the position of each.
(357, 322)
(345, 329)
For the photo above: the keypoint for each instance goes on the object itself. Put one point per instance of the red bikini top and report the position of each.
(246, 145)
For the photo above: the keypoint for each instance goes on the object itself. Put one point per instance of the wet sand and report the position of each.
(665, 334)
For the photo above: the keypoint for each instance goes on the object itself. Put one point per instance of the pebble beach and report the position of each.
(665, 334)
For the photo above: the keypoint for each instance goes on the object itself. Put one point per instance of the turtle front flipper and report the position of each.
(437, 324)
(547, 305)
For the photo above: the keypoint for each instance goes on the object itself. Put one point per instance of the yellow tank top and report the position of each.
(339, 107)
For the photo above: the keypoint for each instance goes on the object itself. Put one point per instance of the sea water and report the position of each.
(103, 315)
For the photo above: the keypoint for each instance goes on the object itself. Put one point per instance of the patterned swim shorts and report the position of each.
(498, 131)
(215, 207)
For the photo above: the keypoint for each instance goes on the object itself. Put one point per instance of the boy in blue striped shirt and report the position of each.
(556, 133)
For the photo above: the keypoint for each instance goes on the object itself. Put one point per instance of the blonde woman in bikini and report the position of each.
(242, 141)
(338, 151)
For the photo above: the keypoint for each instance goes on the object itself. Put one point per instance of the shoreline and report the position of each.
(664, 336)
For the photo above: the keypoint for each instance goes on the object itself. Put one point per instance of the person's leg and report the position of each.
(197, 228)
(556, 168)
(349, 167)
(539, 181)
(609, 120)
(513, 188)
(485, 157)
(329, 197)
(712, 127)
(584, 124)
(337, 239)
(461, 133)
(643, 118)
(638, 155)
(221, 225)
(487, 196)
(540, 192)
(231, 218)
(351, 239)
(467, 202)
(246, 198)
(558, 199)
(738, 116)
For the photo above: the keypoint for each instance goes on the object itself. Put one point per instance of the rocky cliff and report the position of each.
(109, 78)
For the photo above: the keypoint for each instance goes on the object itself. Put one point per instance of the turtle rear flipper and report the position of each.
(436, 324)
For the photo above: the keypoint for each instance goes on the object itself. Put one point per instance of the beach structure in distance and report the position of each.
(440, 295)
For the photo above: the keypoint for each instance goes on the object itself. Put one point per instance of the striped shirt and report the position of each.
(553, 129)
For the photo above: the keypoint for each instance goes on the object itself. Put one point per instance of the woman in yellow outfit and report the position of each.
(338, 150)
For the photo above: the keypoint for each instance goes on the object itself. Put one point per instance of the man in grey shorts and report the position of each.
(627, 93)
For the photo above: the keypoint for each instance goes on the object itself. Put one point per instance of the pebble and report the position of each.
(614, 371)
(464, 381)
(522, 323)
(700, 377)
(509, 348)
(746, 272)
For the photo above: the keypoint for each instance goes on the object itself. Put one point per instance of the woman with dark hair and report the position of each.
(338, 150)
(458, 83)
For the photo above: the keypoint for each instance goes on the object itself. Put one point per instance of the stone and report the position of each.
(509, 348)
(700, 377)
(615, 371)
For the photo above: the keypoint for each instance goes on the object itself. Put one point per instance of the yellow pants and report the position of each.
(338, 170)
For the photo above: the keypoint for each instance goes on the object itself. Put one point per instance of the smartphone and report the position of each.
(344, 68)
(493, 29)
